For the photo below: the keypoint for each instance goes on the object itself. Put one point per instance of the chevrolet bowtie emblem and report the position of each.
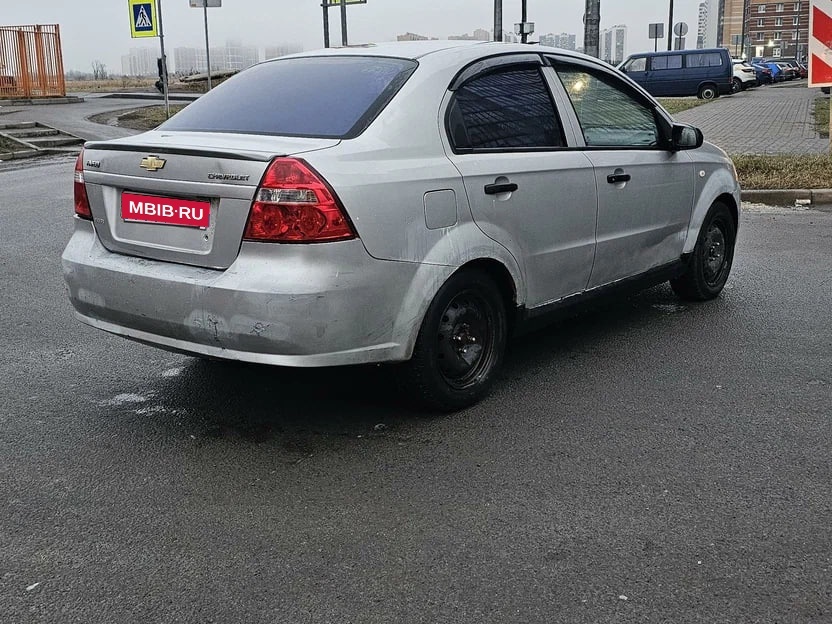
(152, 163)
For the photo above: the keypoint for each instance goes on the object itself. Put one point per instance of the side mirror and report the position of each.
(623, 70)
(685, 137)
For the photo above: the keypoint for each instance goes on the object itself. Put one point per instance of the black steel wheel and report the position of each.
(460, 344)
(712, 258)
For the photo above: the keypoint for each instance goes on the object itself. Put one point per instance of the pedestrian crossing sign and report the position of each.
(143, 18)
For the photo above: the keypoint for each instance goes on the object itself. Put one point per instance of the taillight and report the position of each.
(82, 202)
(293, 204)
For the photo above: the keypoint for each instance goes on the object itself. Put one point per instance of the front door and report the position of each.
(645, 192)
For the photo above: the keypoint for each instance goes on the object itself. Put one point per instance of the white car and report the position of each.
(745, 77)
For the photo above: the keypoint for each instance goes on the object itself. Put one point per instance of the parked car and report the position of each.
(763, 73)
(705, 73)
(744, 76)
(777, 73)
(265, 224)
(790, 73)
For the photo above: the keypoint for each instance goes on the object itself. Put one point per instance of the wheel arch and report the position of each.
(502, 277)
(713, 191)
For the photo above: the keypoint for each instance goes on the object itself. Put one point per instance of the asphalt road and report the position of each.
(647, 462)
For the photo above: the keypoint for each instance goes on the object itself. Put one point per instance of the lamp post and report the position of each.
(670, 28)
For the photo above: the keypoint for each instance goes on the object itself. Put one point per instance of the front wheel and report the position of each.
(736, 85)
(708, 92)
(460, 344)
(712, 258)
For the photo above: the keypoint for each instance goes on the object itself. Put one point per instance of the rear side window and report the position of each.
(329, 97)
(510, 108)
(666, 62)
(705, 60)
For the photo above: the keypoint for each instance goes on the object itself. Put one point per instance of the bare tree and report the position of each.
(99, 70)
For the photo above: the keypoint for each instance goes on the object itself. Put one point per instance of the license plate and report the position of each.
(165, 210)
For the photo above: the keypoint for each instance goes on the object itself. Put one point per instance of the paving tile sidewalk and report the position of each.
(766, 120)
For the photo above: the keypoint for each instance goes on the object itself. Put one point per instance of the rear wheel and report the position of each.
(708, 92)
(712, 258)
(460, 344)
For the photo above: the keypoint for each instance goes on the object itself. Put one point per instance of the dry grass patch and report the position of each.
(677, 105)
(146, 118)
(10, 145)
(109, 86)
(800, 171)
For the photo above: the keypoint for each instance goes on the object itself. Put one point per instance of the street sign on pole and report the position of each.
(143, 18)
(205, 5)
(656, 32)
(820, 43)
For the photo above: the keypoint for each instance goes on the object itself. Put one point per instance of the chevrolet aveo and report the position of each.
(409, 203)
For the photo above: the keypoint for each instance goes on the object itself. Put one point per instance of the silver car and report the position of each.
(410, 203)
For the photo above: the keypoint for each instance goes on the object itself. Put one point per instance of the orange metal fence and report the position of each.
(31, 65)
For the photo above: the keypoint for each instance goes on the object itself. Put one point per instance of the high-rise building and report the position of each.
(282, 50)
(706, 36)
(565, 41)
(612, 44)
(731, 13)
(777, 29)
(140, 62)
(409, 36)
(187, 61)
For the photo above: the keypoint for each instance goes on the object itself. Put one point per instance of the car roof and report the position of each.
(439, 50)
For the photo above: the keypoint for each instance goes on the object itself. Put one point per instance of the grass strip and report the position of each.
(677, 105)
(821, 115)
(791, 171)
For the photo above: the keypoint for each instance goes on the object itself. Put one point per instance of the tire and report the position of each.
(708, 92)
(460, 344)
(712, 258)
(736, 86)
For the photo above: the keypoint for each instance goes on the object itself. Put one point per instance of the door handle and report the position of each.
(496, 189)
(617, 178)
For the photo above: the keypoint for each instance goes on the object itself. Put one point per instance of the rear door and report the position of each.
(645, 192)
(526, 189)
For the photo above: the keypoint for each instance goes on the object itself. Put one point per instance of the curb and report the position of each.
(178, 97)
(788, 197)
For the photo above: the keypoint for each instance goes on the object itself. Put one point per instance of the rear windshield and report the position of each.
(329, 97)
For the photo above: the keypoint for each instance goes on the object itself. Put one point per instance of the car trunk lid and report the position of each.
(181, 196)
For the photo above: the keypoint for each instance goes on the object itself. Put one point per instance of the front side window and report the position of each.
(506, 109)
(636, 65)
(608, 114)
(666, 62)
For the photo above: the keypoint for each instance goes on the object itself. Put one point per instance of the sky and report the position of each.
(100, 29)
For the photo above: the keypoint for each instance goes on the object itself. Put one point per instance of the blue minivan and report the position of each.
(704, 73)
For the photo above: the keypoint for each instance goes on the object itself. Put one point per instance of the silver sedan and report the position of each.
(410, 203)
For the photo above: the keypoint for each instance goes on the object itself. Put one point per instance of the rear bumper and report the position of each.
(288, 305)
